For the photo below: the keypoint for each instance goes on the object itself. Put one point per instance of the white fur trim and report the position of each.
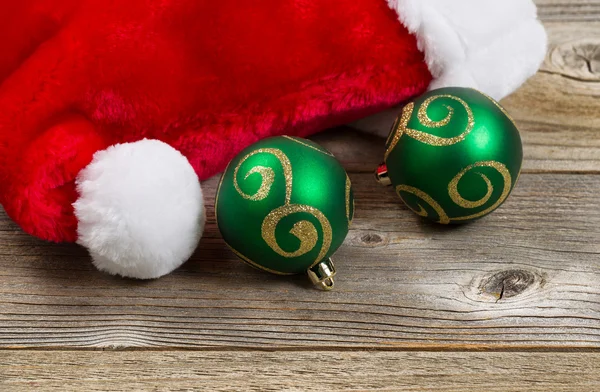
(140, 209)
(490, 45)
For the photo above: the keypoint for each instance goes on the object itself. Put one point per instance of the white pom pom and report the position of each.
(140, 209)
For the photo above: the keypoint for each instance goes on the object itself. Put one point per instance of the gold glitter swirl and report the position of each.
(458, 199)
(461, 201)
(422, 212)
(394, 128)
(399, 128)
(319, 149)
(348, 189)
(500, 168)
(425, 197)
(429, 123)
(267, 174)
(424, 119)
(268, 177)
(304, 230)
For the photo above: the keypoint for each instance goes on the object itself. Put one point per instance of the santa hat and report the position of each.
(111, 111)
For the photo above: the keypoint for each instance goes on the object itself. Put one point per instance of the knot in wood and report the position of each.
(507, 284)
(371, 239)
(578, 60)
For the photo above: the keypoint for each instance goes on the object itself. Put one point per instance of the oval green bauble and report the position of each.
(285, 205)
(453, 155)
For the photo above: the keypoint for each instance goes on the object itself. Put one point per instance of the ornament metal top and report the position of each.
(453, 155)
(285, 205)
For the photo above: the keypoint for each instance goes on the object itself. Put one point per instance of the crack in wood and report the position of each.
(508, 284)
(577, 59)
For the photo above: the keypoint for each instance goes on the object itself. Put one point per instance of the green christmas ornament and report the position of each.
(453, 155)
(284, 205)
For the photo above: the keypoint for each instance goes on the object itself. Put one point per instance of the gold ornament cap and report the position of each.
(381, 175)
(322, 274)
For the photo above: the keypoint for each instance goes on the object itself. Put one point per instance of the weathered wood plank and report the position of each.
(569, 10)
(297, 371)
(558, 110)
(527, 276)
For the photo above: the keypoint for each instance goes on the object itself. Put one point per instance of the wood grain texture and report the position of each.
(454, 309)
(558, 110)
(569, 10)
(403, 283)
(297, 371)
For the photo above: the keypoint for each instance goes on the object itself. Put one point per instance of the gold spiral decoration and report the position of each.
(401, 128)
(424, 119)
(304, 230)
(268, 177)
(267, 174)
(464, 203)
(425, 197)
(457, 198)
(500, 168)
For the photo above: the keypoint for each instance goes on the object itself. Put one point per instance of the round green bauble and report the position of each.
(284, 205)
(454, 155)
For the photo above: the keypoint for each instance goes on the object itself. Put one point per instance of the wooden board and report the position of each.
(568, 11)
(558, 109)
(511, 302)
(402, 283)
(297, 371)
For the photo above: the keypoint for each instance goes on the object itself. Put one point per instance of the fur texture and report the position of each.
(211, 77)
(490, 45)
(206, 77)
(140, 209)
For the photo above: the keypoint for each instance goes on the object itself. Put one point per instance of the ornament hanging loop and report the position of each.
(322, 274)
(381, 175)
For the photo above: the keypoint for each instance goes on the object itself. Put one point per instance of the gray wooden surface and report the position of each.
(299, 371)
(510, 302)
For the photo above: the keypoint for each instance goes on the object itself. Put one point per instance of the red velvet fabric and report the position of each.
(209, 77)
